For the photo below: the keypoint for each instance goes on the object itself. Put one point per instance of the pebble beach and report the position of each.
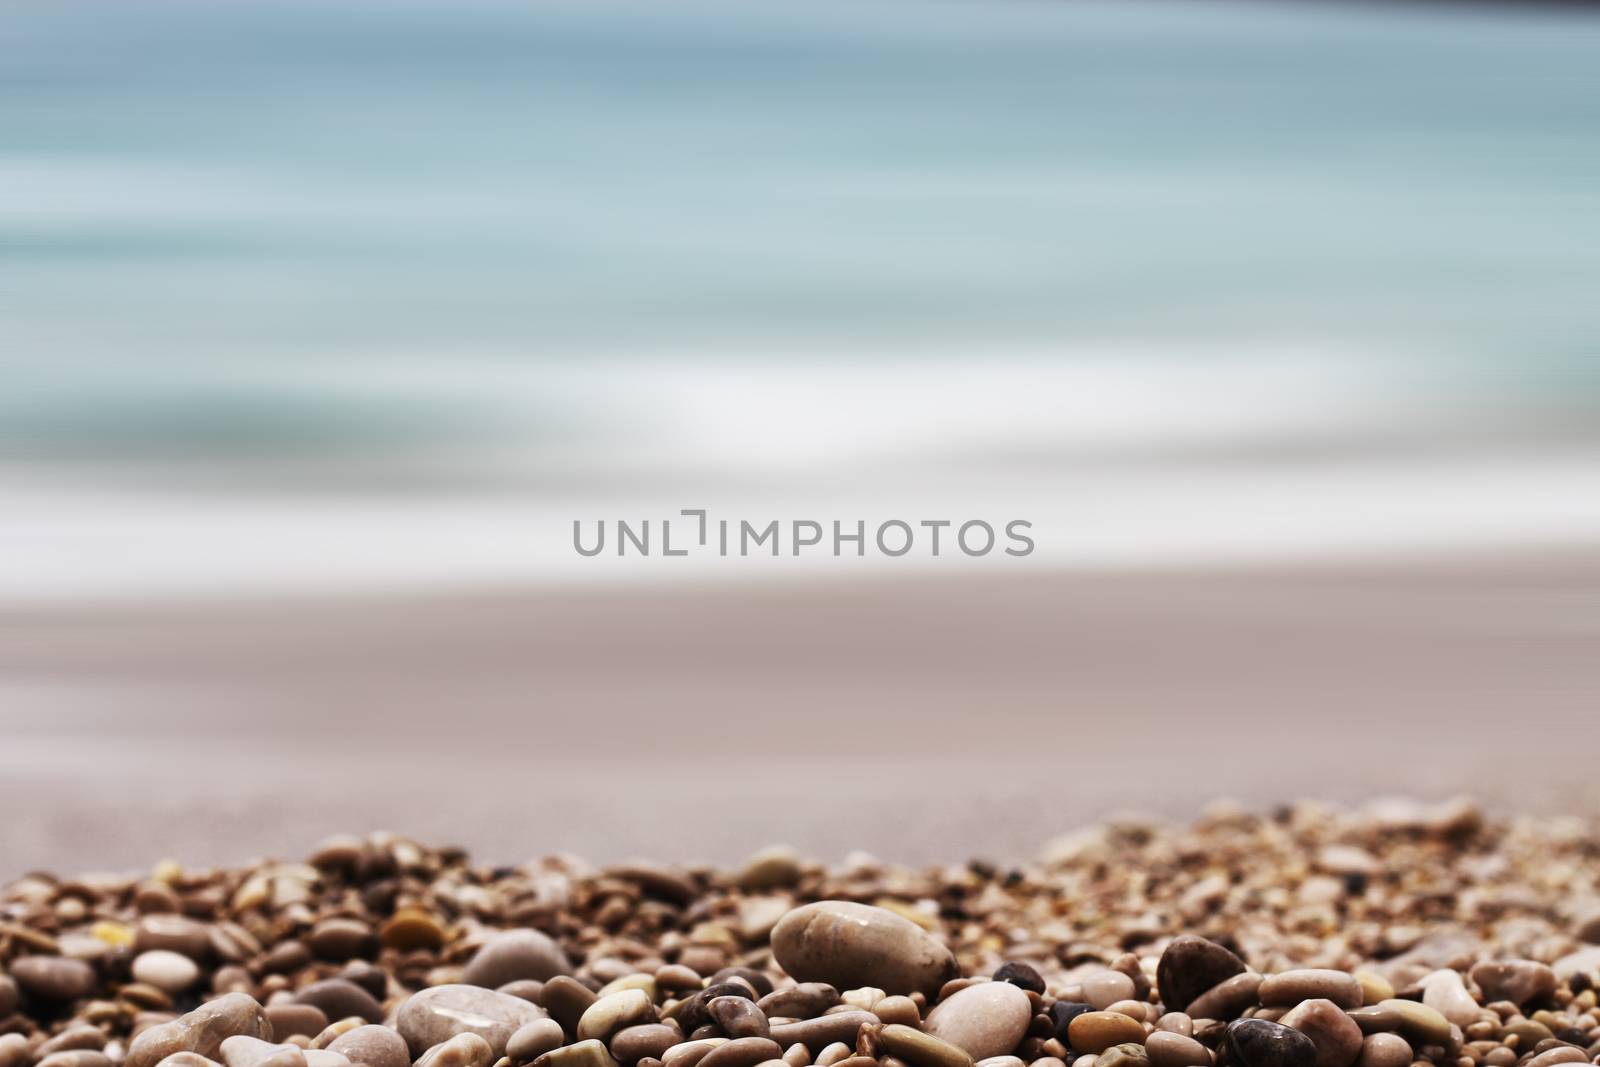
(1397, 934)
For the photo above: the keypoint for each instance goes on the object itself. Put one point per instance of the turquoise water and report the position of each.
(203, 203)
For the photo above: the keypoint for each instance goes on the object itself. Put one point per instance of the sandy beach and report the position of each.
(923, 720)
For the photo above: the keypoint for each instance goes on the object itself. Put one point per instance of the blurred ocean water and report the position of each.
(301, 294)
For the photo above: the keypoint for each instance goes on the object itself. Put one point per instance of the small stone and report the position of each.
(168, 971)
(1419, 1022)
(775, 867)
(818, 1033)
(850, 945)
(290, 1019)
(14, 1050)
(1062, 1012)
(340, 998)
(612, 1012)
(739, 1017)
(1384, 1050)
(1021, 975)
(803, 1001)
(632, 1044)
(578, 1054)
(244, 1051)
(201, 1031)
(1127, 1054)
(78, 1057)
(1168, 1049)
(1446, 993)
(55, 978)
(375, 1046)
(175, 933)
(514, 955)
(742, 1052)
(1227, 999)
(923, 1050)
(1189, 967)
(1374, 986)
(1336, 1035)
(1259, 1043)
(1096, 1031)
(1518, 981)
(187, 1059)
(466, 1049)
(410, 929)
(1104, 988)
(987, 1019)
(341, 939)
(435, 1015)
(1288, 988)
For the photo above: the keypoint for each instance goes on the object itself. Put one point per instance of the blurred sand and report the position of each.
(923, 720)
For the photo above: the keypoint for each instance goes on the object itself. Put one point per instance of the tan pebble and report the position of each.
(797, 1055)
(1167, 1048)
(533, 1039)
(833, 1053)
(1048, 1061)
(924, 1050)
(1128, 1054)
(985, 1020)
(1102, 989)
(1095, 1031)
(1001, 1061)
(1384, 1050)
(901, 1010)
(849, 945)
(1336, 1035)
(1288, 988)
(1420, 1022)
(1446, 993)
(1374, 986)
(376, 1046)
(466, 1049)
(1176, 1022)
(577, 1054)
(742, 1052)
(1133, 1009)
(1564, 1054)
(242, 1051)
(1227, 999)
(688, 1053)
(77, 1057)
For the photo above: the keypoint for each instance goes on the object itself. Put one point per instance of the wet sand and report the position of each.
(924, 720)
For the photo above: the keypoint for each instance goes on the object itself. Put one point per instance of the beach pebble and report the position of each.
(54, 978)
(466, 1049)
(9, 995)
(1384, 1050)
(435, 1015)
(742, 1052)
(78, 1057)
(1191, 966)
(1096, 1031)
(375, 1046)
(201, 1031)
(514, 955)
(850, 945)
(244, 1051)
(1259, 1043)
(987, 1019)
(824, 1030)
(922, 1050)
(1336, 1035)
(1517, 981)
(1418, 1022)
(1020, 974)
(577, 1054)
(739, 1017)
(1446, 993)
(174, 933)
(289, 1019)
(1228, 998)
(774, 867)
(1104, 988)
(168, 971)
(340, 998)
(612, 1012)
(1168, 1049)
(630, 1045)
(14, 1050)
(1288, 988)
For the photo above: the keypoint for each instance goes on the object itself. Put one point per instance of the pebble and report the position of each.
(174, 933)
(440, 1013)
(54, 978)
(516, 954)
(612, 1012)
(1096, 1031)
(566, 999)
(201, 1031)
(9, 995)
(244, 1051)
(774, 867)
(1127, 1054)
(1336, 1035)
(1228, 998)
(822, 1031)
(922, 1050)
(1517, 981)
(466, 1049)
(1419, 1021)
(1384, 1050)
(340, 998)
(1259, 1043)
(1104, 988)
(340, 939)
(630, 1045)
(14, 1051)
(987, 1019)
(289, 1019)
(1021, 975)
(742, 1052)
(1446, 993)
(78, 1057)
(375, 1046)
(1291, 987)
(579, 1054)
(739, 1017)
(168, 971)
(1190, 966)
(849, 945)
(1168, 1049)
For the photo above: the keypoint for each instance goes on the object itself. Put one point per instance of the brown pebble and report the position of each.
(1289, 988)
(376, 1046)
(1336, 1035)
(923, 1050)
(742, 1052)
(850, 945)
(56, 978)
(1228, 998)
(290, 1019)
(1384, 1050)
(635, 1043)
(1166, 1048)
(1096, 1031)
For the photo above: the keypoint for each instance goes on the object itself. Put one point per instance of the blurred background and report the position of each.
(320, 323)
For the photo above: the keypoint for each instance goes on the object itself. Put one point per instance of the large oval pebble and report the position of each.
(987, 1019)
(850, 945)
(435, 1015)
(515, 955)
(201, 1031)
